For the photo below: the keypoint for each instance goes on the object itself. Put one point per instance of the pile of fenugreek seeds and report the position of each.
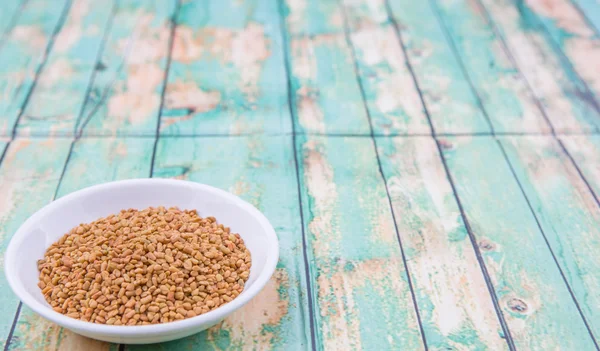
(144, 267)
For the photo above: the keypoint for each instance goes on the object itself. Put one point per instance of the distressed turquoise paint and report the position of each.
(455, 306)
(29, 175)
(391, 96)
(350, 237)
(585, 151)
(21, 55)
(261, 171)
(99, 160)
(451, 102)
(559, 89)
(536, 304)
(227, 75)
(67, 71)
(127, 89)
(567, 212)
(92, 161)
(326, 97)
(569, 32)
(313, 17)
(10, 11)
(591, 9)
(504, 94)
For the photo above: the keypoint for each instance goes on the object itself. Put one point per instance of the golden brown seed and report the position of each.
(144, 267)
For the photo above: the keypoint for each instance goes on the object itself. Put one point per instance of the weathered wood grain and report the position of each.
(504, 93)
(29, 175)
(591, 10)
(450, 100)
(325, 93)
(567, 212)
(536, 303)
(390, 92)
(313, 17)
(261, 171)
(22, 53)
(10, 12)
(360, 282)
(67, 71)
(455, 306)
(227, 74)
(92, 161)
(585, 151)
(126, 92)
(559, 89)
(569, 31)
(391, 95)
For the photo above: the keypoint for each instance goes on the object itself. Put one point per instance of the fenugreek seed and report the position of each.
(137, 267)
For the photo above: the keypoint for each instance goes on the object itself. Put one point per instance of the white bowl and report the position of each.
(51, 222)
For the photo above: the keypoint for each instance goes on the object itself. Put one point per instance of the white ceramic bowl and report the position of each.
(51, 222)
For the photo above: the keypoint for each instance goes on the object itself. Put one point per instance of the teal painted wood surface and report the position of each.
(591, 10)
(567, 212)
(567, 29)
(391, 95)
(126, 91)
(8, 16)
(450, 99)
(67, 71)
(276, 100)
(28, 180)
(23, 52)
(351, 236)
(504, 94)
(92, 161)
(227, 75)
(261, 171)
(558, 88)
(313, 17)
(585, 153)
(535, 301)
(456, 309)
(326, 96)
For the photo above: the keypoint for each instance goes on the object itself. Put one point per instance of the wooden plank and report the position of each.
(10, 12)
(556, 85)
(567, 212)
(591, 10)
(67, 71)
(29, 175)
(126, 92)
(535, 301)
(450, 99)
(390, 92)
(585, 151)
(261, 171)
(313, 17)
(21, 55)
(570, 32)
(227, 74)
(326, 95)
(454, 303)
(92, 161)
(360, 282)
(504, 94)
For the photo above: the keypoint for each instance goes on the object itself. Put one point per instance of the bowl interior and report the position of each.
(52, 222)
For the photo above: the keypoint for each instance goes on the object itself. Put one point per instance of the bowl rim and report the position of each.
(71, 323)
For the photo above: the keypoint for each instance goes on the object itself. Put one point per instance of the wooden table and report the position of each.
(432, 167)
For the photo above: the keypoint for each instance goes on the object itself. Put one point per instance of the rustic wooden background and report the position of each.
(432, 167)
